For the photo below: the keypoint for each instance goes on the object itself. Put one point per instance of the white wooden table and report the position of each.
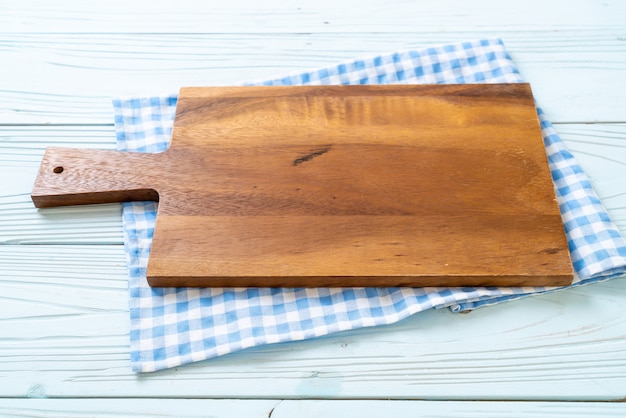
(63, 302)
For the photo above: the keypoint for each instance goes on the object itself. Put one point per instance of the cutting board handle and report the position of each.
(85, 176)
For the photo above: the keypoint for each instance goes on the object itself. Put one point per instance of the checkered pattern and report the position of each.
(170, 327)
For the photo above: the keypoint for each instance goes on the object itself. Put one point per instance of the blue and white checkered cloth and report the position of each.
(171, 327)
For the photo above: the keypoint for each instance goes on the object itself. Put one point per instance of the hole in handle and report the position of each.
(58, 169)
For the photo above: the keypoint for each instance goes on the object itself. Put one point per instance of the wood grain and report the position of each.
(567, 346)
(449, 409)
(277, 408)
(65, 335)
(140, 408)
(338, 186)
(576, 69)
(291, 17)
(598, 147)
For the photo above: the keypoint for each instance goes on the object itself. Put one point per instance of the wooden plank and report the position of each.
(21, 150)
(573, 81)
(249, 16)
(183, 408)
(338, 186)
(22, 223)
(64, 266)
(596, 146)
(24, 146)
(450, 409)
(65, 334)
(137, 408)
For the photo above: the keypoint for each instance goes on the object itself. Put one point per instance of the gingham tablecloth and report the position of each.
(171, 327)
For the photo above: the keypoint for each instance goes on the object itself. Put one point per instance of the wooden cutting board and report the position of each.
(429, 185)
